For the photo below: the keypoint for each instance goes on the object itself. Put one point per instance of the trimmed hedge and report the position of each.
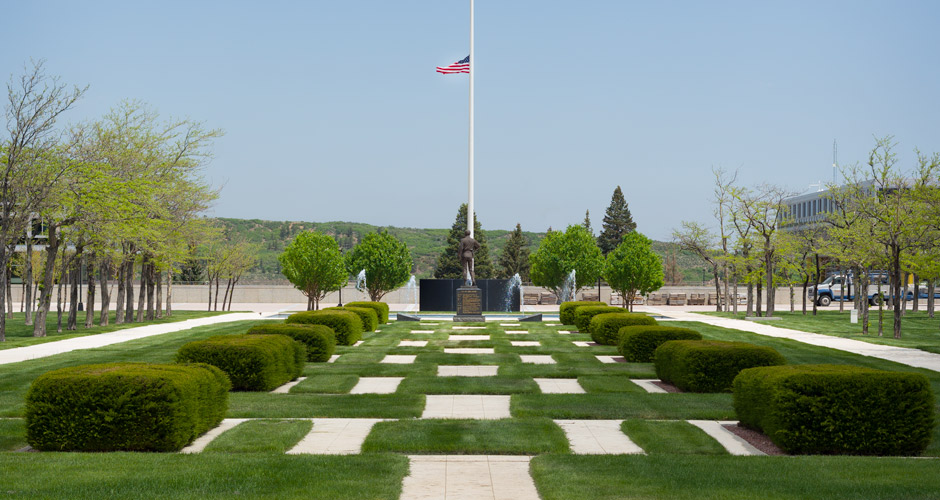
(124, 406)
(583, 315)
(605, 327)
(566, 310)
(837, 409)
(319, 340)
(368, 316)
(381, 309)
(252, 362)
(709, 365)
(346, 324)
(638, 343)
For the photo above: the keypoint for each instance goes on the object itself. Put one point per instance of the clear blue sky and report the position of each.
(333, 110)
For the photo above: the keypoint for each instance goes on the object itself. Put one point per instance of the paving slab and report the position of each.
(358, 343)
(468, 477)
(525, 343)
(17, 354)
(202, 441)
(598, 437)
(333, 358)
(335, 436)
(517, 332)
(467, 370)
(468, 337)
(400, 359)
(564, 332)
(539, 359)
(413, 343)
(469, 350)
(510, 324)
(611, 359)
(471, 406)
(284, 389)
(649, 385)
(552, 324)
(734, 444)
(422, 331)
(559, 385)
(469, 327)
(376, 385)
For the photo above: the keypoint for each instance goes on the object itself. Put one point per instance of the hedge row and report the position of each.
(380, 308)
(833, 409)
(252, 362)
(346, 325)
(605, 327)
(584, 314)
(709, 365)
(124, 407)
(567, 309)
(319, 340)
(638, 343)
(368, 316)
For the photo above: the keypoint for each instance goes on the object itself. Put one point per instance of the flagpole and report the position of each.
(470, 168)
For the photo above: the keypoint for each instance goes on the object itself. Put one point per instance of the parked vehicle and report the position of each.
(922, 292)
(843, 288)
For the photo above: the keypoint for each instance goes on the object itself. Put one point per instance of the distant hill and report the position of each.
(425, 244)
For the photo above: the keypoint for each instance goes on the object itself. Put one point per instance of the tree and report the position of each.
(386, 260)
(617, 223)
(313, 263)
(762, 210)
(587, 222)
(633, 268)
(515, 256)
(562, 252)
(448, 262)
(696, 238)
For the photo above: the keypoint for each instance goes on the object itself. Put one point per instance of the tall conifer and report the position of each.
(515, 256)
(617, 223)
(448, 263)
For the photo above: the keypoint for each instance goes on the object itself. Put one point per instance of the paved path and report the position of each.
(18, 354)
(469, 477)
(903, 355)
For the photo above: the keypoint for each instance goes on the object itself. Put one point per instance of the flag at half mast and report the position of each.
(461, 66)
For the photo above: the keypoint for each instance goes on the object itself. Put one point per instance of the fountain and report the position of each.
(411, 291)
(514, 282)
(568, 288)
(361, 281)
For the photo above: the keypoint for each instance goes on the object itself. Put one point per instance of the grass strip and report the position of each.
(265, 405)
(659, 437)
(12, 434)
(467, 385)
(470, 437)
(261, 436)
(624, 405)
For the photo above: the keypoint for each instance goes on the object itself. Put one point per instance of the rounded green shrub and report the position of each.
(381, 309)
(252, 362)
(837, 409)
(566, 310)
(346, 324)
(320, 340)
(709, 365)
(638, 343)
(368, 316)
(124, 406)
(605, 327)
(583, 315)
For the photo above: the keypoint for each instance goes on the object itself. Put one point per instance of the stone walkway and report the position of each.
(18, 354)
(469, 477)
(910, 357)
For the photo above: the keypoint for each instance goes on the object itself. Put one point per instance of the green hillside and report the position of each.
(425, 244)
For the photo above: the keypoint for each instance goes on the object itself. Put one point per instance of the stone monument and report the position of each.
(469, 296)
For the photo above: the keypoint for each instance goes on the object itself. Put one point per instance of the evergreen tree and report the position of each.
(448, 263)
(515, 256)
(617, 223)
(587, 222)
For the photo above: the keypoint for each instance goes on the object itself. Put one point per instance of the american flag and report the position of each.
(461, 66)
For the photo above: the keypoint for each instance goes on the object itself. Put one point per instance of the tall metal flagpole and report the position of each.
(470, 169)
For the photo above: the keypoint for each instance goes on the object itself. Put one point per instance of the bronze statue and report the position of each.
(468, 246)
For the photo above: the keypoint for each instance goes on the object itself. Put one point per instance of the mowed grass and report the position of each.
(917, 330)
(18, 334)
(468, 437)
(260, 436)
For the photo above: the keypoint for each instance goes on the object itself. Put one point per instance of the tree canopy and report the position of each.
(313, 263)
(560, 253)
(633, 268)
(386, 260)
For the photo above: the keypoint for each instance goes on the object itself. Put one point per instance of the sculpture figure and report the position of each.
(468, 247)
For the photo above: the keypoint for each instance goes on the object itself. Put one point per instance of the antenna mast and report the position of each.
(835, 159)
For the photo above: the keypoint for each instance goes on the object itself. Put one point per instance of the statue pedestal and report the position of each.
(469, 304)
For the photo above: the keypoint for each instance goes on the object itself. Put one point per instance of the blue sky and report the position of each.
(333, 110)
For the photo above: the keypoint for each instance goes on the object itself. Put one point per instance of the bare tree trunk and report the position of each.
(74, 279)
(792, 298)
(717, 288)
(129, 290)
(931, 289)
(228, 286)
(845, 277)
(60, 296)
(907, 278)
(158, 282)
(23, 288)
(750, 299)
(4, 256)
(916, 305)
(881, 310)
(90, 295)
(216, 305)
(735, 300)
(232, 295)
(210, 293)
(862, 293)
(45, 292)
(121, 283)
(9, 293)
(142, 294)
(105, 274)
(169, 293)
(150, 291)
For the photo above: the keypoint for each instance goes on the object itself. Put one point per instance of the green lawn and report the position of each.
(249, 461)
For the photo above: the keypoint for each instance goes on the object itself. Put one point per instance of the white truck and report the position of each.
(843, 287)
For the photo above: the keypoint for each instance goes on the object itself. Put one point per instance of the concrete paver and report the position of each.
(284, 389)
(517, 332)
(333, 358)
(734, 444)
(611, 359)
(413, 343)
(598, 437)
(559, 385)
(525, 343)
(202, 441)
(468, 337)
(538, 359)
(469, 350)
(468, 327)
(469, 477)
(564, 332)
(400, 359)
(376, 385)
(335, 436)
(471, 406)
(649, 386)
(467, 370)
(510, 324)
(422, 331)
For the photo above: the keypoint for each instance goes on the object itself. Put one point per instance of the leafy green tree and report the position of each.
(617, 223)
(448, 262)
(387, 262)
(633, 268)
(560, 253)
(515, 256)
(313, 263)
